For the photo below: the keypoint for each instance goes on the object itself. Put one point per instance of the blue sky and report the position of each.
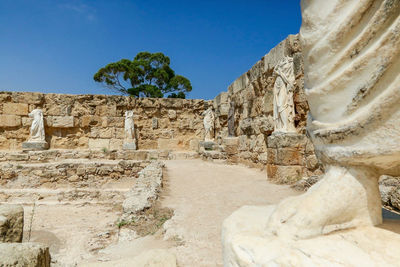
(55, 46)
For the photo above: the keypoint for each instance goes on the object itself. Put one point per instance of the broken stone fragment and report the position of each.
(11, 223)
(24, 254)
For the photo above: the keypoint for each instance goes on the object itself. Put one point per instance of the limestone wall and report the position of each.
(97, 121)
(286, 160)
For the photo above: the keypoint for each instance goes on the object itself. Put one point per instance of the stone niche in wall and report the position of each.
(97, 121)
(247, 106)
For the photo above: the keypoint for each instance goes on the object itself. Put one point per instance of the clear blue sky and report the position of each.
(57, 45)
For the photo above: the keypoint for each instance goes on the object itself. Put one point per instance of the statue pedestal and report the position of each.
(248, 242)
(231, 148)
(129, 146)
(34, 145)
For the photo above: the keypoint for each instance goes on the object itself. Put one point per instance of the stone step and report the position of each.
(69, 173)
(63, 196)
(61, 154)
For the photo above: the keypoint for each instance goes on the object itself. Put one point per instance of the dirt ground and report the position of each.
(202, 194)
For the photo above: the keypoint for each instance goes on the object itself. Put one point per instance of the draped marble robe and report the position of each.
(283, 97)
(129, 127)
(351, 55)
(208, 122)
(37, 126)
(351, 52)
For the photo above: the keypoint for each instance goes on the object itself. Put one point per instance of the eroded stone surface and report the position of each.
(24, 255)
(11, 223)
(146, 190)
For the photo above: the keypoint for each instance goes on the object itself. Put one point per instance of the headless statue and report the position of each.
(37, 127)
(208, 122)
(283, 96)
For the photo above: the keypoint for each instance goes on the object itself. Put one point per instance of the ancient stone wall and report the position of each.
(251, 98)
(97, 121)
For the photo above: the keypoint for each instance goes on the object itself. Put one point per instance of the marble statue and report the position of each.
(208, 122)
(231, 119)
(37, 126)
(129, 127)
(283, 97)
(351, 52)
(37, 136)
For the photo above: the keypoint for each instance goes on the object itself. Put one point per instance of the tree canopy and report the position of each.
(147, 75)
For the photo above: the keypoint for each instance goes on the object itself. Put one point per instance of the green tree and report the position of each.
(147, 75)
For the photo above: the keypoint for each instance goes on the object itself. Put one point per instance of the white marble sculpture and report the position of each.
(352, 82)
(283, 97)
(37, 126)
(129, 127)
(208, 122)
(37, 136)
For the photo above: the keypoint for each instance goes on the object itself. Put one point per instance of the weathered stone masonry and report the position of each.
(97, 121)
(288, 158)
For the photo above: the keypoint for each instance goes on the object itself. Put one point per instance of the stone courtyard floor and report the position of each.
(202, 194)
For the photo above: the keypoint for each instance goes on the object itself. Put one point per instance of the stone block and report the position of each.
(231, 145)
(24, 254)
(312, 162)
(90, 120)
(263, 157)
(129, 146)
(243, 143)
(108, 110)
(246, 126)
(116, 144)
(119, 133)
(284, 174)
(268, 102)
(194, 145)
(99, 143)
(15, 108)
(17, 157)
(60, 121)
(222, 98)
(223, 109)
(101, 132)
(114, 121)
(58, 110)
(11, 223)
(10, 121)
(266, 125)
(168, 144)
(172, 114)
(26, 121)
(289, 156)
(272, 155)
(280, 140)
(34, 146)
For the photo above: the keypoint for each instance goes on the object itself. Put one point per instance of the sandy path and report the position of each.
(202, 195)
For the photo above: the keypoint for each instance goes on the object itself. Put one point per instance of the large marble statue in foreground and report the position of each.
(37, 137)
(283, 97)
(351, 55)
